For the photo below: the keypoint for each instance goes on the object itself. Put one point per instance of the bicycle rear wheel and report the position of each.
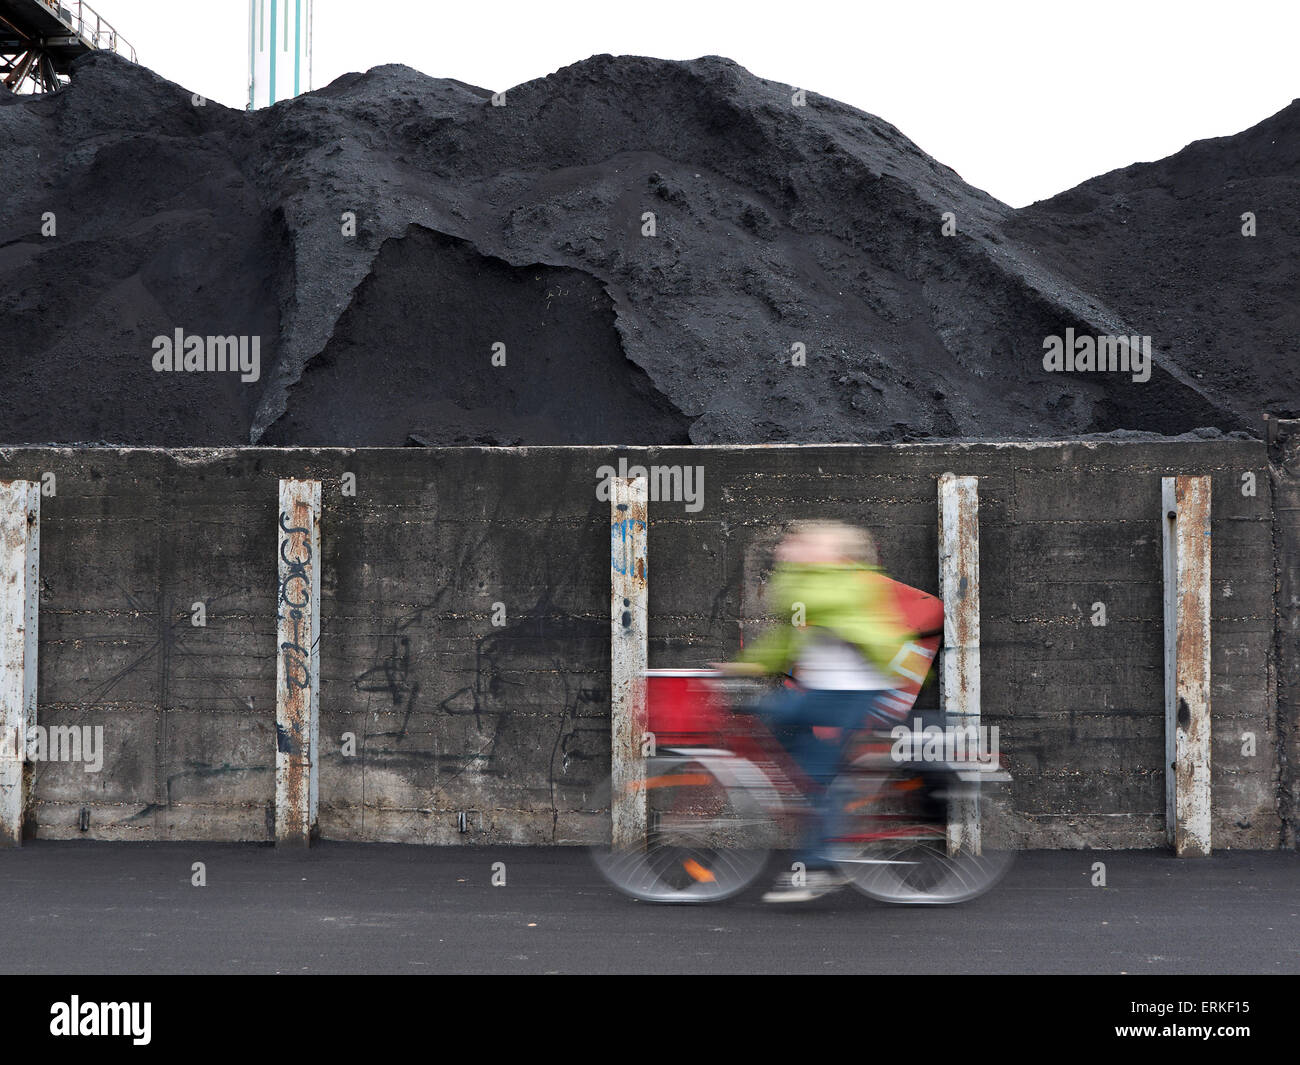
(705, 841)
(892, 840)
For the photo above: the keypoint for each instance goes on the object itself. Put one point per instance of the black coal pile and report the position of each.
(627, 251)
(1202, 252)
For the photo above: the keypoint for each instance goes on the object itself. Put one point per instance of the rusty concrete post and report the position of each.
(959, 669)
(628, 658)
(20, 550)
(297, 673)
(1185, 502)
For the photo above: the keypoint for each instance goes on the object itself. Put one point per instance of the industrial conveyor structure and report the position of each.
(39, 39)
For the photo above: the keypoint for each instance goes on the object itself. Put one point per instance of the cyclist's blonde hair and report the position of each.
(848, 541)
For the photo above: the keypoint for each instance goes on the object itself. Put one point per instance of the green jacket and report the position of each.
(851, 601)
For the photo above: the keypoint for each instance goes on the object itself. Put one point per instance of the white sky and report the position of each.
(1024, 98)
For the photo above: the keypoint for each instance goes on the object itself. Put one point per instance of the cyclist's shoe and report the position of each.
(815, 884)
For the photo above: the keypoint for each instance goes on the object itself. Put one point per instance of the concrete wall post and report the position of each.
(20, 541)
(1185, 504)
(628, 658)
(297, 674)
(959, 667)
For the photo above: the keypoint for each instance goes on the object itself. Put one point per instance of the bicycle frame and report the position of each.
(689, 713)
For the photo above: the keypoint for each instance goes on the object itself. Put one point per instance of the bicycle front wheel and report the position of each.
(705, 841)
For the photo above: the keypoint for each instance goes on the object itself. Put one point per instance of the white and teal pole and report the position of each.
(279, 50)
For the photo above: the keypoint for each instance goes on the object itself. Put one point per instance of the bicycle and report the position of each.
(720, 794)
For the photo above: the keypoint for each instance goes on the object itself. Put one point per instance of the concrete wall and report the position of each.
(509, 723)
(1284, 454)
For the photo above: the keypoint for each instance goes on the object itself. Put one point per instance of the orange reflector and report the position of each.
(698, 872)
(672, 780)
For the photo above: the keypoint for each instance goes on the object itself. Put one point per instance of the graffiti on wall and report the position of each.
(293, 600)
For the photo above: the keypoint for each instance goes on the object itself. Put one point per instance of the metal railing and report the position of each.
(91, 26)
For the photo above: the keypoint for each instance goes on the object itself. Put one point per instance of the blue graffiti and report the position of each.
(621, 534)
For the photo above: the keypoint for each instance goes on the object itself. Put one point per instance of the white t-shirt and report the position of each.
(828, 663)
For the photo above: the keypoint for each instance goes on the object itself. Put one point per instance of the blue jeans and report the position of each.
(792, 713)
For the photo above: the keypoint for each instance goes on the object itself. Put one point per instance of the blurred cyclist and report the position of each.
(844, 631)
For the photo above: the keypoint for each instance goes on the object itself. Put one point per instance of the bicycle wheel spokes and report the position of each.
(704, 841)
(893, 842)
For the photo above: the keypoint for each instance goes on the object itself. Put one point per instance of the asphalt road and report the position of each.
(83, 907)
